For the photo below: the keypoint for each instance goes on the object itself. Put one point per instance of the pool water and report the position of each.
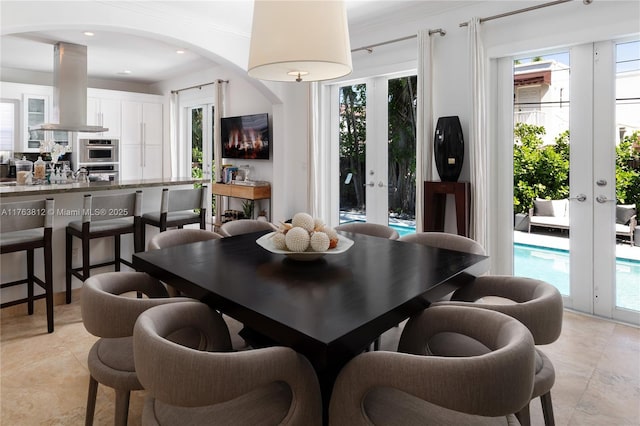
(552, 266)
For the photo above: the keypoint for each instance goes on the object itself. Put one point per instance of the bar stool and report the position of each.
(27, 226)
(177, 209)
(104, 216)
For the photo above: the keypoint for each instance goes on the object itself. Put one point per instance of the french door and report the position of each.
(377, 151)
(200, 140)
(593, 93)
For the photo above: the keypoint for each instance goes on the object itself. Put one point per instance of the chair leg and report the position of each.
(69, 265)
(523, 416)
(122, 407)
(30, 281)
(48, 283)
(547, 409)
(116, 244)
(376, 344)
(86, 258)
(91, 401)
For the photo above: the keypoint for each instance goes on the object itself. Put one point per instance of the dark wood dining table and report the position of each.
(329, 309)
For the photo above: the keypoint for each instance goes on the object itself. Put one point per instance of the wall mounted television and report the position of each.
(245, 137)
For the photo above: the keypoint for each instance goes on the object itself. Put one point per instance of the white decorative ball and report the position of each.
(319, 241)
(297, 239)
(279, 241)
(303, 220)
(331, 233)
(318, 224)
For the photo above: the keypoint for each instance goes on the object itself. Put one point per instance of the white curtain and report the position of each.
(314, 161)
(218, 112)
(174, 136)
(478, 136)
(424, 125)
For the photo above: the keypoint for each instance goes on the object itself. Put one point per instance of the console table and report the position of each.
(247, 192)
(435, 200)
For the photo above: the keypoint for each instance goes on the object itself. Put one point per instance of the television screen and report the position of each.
(246, 137)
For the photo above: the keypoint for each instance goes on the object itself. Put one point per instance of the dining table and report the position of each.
(329, 309)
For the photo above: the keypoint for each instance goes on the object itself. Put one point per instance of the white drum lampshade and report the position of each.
(299, 41)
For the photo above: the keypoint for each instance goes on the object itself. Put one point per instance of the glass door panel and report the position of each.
(352, 152)
(401, 153)
(627, 139)
(541, 168)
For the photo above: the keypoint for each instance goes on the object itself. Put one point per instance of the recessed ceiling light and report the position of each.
(125, 72)
(179, 51)
(88, 33)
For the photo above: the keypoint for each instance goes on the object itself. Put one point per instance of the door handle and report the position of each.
(369, 184)
(580, 197)
(381, 184)
(603, 199)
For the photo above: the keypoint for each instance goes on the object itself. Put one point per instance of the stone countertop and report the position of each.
(60, 188)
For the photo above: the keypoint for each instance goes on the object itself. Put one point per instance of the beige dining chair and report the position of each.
(245, 226)
(372, 229)
(109, 308)
(177, 237)
(211, 385)
(536, 304)
(412, 387)
(446, 241)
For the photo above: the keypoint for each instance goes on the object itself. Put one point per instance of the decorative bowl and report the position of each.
(266, 242)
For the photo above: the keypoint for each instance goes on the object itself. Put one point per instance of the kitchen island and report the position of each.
(68, 200)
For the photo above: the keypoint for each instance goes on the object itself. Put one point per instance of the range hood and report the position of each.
(69, 112)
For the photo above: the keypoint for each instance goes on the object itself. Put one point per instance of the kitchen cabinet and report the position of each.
(141, 140)
(36, 112)
(105, 113)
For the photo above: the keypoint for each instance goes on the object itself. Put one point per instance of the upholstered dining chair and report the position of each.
(372, 229)
(109, 313)
(412, 387)
(446, 241)
(211, 385)
(245, 226)
(536, 304)
(178, 208)
(176, 237)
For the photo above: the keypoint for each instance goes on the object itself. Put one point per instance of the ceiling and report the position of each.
(132, 58)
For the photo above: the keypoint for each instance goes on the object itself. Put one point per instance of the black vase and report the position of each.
(448, 147)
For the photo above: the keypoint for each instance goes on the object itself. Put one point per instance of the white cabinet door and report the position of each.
(130, 162)
(141, 142)
(106, 113)
(110, 111)
(131, 123)
(36, 111)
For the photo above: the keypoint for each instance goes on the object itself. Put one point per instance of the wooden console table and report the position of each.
(435, 200)
(247, 192)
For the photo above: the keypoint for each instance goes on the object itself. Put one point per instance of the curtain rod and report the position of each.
(370, 47)
(199, 86)
(526, 9)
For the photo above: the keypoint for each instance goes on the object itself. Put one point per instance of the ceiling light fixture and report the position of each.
(88, 33)
(179, 51)
(299, 40)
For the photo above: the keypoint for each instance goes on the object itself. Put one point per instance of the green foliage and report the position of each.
(539, 171)
(628, 170)
(542, 171)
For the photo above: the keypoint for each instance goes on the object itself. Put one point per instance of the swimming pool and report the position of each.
(552, 265)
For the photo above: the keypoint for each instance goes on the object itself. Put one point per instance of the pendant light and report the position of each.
(301, 40)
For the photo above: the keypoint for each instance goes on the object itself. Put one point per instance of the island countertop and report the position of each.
(62, 188)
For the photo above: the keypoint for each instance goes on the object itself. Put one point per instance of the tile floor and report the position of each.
(44, 377)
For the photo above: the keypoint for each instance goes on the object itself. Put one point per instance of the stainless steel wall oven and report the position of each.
(98, 151)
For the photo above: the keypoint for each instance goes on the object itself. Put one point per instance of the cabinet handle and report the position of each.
(144, 144)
